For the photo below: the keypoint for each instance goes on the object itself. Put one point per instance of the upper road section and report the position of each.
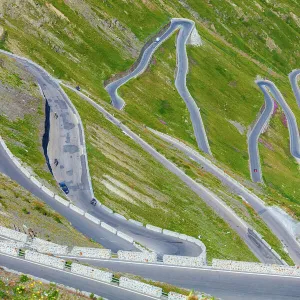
(185, 29)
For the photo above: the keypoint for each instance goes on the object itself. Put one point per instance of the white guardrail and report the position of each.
(85, 271)
(104, 225)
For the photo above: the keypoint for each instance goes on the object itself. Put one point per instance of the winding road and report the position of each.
(162, 244)
(269, 88)
(68, 131)
(185, 27)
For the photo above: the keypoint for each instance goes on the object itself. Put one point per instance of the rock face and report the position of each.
(195, 38)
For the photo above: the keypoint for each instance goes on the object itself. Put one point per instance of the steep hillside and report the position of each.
(86, 42)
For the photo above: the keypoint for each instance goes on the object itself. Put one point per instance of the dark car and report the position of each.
(78, 88)
(64, 187)
(94, 202)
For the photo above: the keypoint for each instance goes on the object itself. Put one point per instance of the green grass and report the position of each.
(146, 191)
(22, 287)
(19, 208)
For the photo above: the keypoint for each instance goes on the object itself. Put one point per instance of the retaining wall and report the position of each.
(175, 296)
(91, 252)
(9, 249)
(137, 256)
(48, 247)
(13, 234)
(255, 267)
(92, 273)
(45, 259)
(140, 287)
(183, 261)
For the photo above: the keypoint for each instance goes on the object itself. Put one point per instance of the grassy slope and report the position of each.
(18, 207)
(20, 99)
(100, 58)
(15, 286)
(142, 189)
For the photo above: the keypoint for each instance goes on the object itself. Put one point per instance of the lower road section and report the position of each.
(71, 280)
(224, 284)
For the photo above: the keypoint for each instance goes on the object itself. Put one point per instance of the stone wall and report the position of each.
(137, 256)
(255, 267)
(176, 296)
(140, 287)
(13, 234)
(186, 261)
(48, 247)
(91, 272)
(45, 259)
(9, 249)
(91, 252)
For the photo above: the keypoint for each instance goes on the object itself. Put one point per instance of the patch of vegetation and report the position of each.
(13, 286)
(131, 182)
(27, 212)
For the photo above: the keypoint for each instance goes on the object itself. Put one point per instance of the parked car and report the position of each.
(94, 202)
(78, 88)
(64, 187)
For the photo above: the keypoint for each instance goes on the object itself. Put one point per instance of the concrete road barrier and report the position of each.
(25, 172)
(45, 259)
(252, 267)
(186, 261)
(48, 247)
(136, 222)
(36, 182)
(92, 218)
(47, 191)
(170, 233)
(77, 209)
(91, 252)
(12, 234)
(120, 216)
(110, 211)
(125, 236)
(9, 249)
(176, 296)
(108, 227)
(91, 272)
(137, 256)
(154, 228)
(140, 287)
(61, 200)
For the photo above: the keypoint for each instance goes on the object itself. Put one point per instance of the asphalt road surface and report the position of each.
(267, 87)
(261, 252)
(69, 279)
(256, 173)
(227, 285)
(158, 242)
(258, 205)
(185, 26)
(220, 283)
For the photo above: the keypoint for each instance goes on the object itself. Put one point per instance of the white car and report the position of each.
(157, 39)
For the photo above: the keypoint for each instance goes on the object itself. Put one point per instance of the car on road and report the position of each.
(64, 187)
(157, 39)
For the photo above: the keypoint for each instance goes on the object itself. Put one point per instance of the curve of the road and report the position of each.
(269, 88)
(185, 27)
(158, 242)
(284, 235)
(210, 198)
